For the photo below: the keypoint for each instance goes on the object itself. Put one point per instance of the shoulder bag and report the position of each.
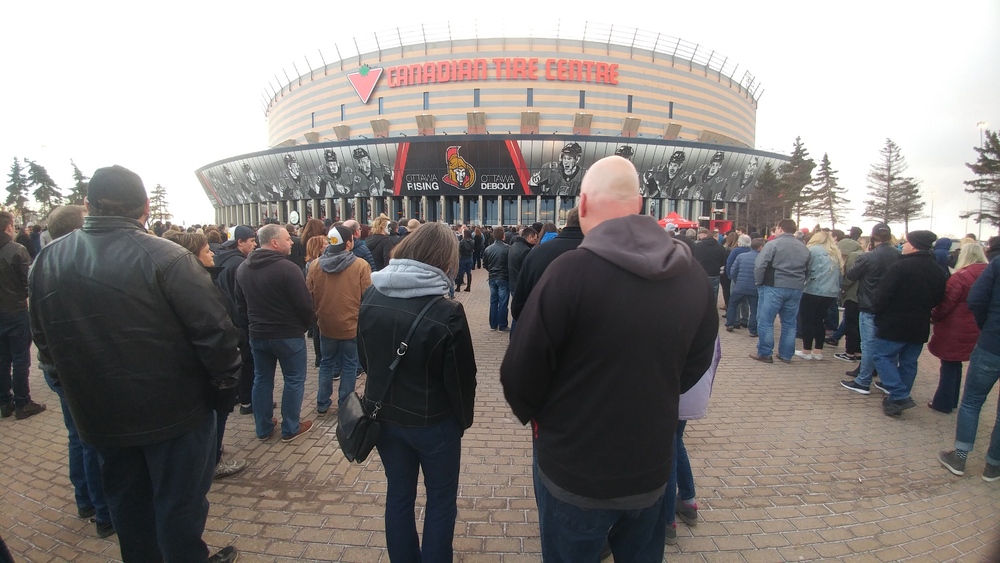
(357, 428)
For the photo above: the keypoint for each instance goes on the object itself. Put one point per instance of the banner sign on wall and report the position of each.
(460, 165)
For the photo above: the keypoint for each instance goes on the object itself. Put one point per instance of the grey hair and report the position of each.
(744, 240)
(267, 233)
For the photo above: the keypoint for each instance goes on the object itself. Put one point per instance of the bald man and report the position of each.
(609, 338)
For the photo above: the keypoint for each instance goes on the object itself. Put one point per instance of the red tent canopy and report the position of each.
(676, 219)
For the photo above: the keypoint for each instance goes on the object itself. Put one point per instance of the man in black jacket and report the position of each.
(14, 330)
(145, 352)
(712, 257)
(597, 382)
(234, 252)
(495, 262)
(868, 271)
(902, 304)
(515, 260)
(466, 248)
(272, 293)
(539, 259)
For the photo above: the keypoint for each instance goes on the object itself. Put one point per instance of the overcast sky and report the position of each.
(164, 89)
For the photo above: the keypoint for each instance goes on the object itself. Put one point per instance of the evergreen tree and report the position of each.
(794, 176)
(887, 186)
(17, 191)
(909, 203)
(158, 206)
(765, 207)
(828, 199)
(987, 185)
(45, 190)
(78, 193)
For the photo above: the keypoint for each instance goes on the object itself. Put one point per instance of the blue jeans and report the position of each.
(896, 363)
(714, 280)
(291, 354)
(158, 495)
(571, 534)
(15, 357)
(464, 271)
(499, 296)
(779, 302)
(436, 451)
(984, 369)
(737, 302)
(84, 462)
(866, 326)
(681, 483)
(342, 354)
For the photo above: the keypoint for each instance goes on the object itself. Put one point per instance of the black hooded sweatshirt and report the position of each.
(271, 292)
(610, 337)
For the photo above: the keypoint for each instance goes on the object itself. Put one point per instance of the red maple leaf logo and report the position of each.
(364, 81)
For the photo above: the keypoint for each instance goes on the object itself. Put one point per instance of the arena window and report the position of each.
(427, 101)
(343, 116)
(583, 99)
(475, 97)
(380, 106)
(531, 97)
(629, 109)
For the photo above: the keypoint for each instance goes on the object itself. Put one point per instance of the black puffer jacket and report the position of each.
(869, 269)
(436, 379)
(139, 335)
(381, 248)
(14, 263)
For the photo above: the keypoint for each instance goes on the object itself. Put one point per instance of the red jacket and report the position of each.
(955, 329)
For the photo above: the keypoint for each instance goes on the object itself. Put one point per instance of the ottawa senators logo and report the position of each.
(461, 174)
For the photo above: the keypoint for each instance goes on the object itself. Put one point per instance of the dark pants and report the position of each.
(949, 387)
(571, 534)
(681, 483)
(436, 451)
(84, 462)
(852, 330)
(157, 494)
(15, 358)
(477, 258)
(245, 386)
(833, 316)
(464, 270)
(725, 283)
(813, 311)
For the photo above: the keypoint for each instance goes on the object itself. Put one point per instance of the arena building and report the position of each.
(446, 126)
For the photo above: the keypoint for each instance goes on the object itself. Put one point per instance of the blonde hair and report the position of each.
(379, 225)
(825, 240)
(433, 244)
(971, 253)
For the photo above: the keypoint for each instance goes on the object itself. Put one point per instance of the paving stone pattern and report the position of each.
(789, 466)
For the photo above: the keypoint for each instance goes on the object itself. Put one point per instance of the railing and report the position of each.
(575, 33)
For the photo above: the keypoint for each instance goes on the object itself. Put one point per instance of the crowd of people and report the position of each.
(211, 313)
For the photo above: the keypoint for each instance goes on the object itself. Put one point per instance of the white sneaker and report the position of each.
(817, 355)
(804, 355)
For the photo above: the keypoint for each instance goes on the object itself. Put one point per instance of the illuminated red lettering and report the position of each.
(444, 71)
(561, 70)
(392, 77)
(588, 67)
(430, 73)
(613, 74)
(497, 65)
(549, 71)
(480, 69)
(602, 73)
(532, 69)
(415, 74)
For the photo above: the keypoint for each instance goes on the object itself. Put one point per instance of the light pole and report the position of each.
(982, 127)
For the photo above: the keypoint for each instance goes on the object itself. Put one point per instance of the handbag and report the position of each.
(357, 428)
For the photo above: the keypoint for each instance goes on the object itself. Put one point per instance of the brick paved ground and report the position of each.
(789, 466)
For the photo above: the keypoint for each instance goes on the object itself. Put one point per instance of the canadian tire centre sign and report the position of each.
(463, 70)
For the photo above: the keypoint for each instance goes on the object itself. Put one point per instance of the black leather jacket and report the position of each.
(436, 379)
(139, 336)
(495, 260)
(869, 269)
(14, 264)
